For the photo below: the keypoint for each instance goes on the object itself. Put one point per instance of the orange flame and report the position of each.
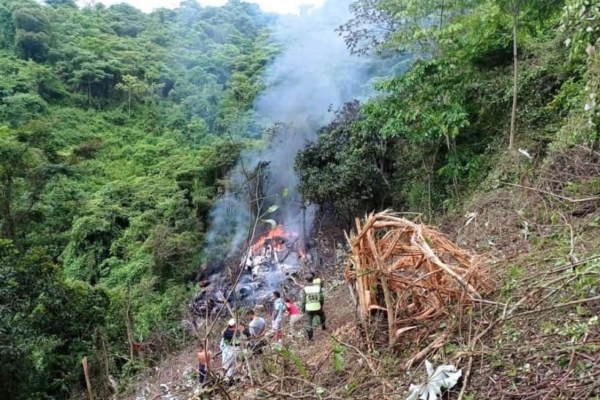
(275, 235)
(301, 248)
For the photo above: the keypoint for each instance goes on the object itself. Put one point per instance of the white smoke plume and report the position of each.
(314, 73)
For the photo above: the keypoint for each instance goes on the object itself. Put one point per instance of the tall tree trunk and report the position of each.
(513, 117)
(128, 326)
(9, 224)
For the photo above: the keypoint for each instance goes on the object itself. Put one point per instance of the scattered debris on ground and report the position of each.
(443, 377)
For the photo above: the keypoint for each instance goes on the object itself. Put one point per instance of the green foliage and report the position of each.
(575, 330)
(289, 354)
(424, 24)
(449, 113)
(27, 166)
(337, 359)
(421, 119)
(61, 3)
(48, 323)
(349, 165)
(430, 97)
(583, 37)
(115, 140)
(33, 33)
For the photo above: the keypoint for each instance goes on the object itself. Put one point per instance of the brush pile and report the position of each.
(409, 271)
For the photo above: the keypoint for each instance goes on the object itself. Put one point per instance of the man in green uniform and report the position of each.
(312, 305)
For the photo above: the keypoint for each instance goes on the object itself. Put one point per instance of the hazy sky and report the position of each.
(280, 6)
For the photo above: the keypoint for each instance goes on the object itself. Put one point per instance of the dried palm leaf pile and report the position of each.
(408, 270)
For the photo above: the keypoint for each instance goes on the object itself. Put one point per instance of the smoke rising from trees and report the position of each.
(314, 74)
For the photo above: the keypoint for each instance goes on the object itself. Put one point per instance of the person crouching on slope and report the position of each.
(256, 331)
(230, 348)
(312, 305)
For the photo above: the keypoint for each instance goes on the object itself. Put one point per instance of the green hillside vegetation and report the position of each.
(434, 134)
(118, 129)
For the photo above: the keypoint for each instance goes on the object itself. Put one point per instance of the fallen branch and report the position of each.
(436, 344)
(304, 395)
(558, 196)
(555, 307)
(467, 375)
(561, 268)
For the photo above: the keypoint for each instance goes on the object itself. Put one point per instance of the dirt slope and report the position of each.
(534, 336)
(177, 373)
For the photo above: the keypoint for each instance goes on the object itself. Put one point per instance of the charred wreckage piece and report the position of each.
(270, 262)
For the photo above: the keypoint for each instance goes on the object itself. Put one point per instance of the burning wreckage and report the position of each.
(273, 259)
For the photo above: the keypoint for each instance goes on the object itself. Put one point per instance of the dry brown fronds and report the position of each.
(409, 270)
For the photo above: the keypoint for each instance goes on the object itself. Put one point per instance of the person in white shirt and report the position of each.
(257, 325)
(256, 331)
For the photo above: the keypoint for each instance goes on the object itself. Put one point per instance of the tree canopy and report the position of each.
(437, 126)
(116, 130)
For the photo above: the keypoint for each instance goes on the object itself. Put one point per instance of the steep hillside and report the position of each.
(142, 155)
(534, 335)
(516, 184)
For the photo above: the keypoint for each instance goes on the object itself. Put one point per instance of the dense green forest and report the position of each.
(118, 130)
(436, 133)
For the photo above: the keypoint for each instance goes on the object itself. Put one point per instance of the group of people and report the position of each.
(256, 332)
